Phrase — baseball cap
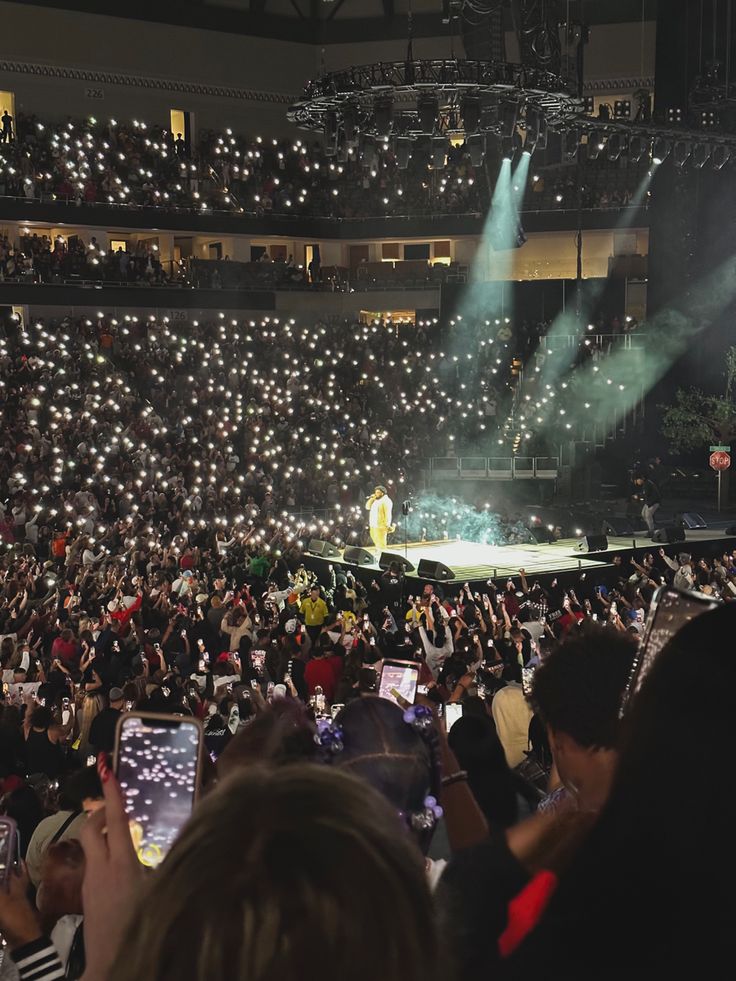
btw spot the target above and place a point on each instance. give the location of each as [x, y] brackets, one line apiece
[116, 694]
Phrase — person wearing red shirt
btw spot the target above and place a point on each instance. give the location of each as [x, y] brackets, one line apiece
[65, 648]
[323, 670]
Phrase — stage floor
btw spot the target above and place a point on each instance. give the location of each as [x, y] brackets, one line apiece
[470, 561]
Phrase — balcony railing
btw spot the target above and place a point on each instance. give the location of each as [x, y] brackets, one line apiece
[494, 467]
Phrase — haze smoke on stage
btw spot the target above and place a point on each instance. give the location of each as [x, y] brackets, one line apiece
[559, 352]
[437, 517]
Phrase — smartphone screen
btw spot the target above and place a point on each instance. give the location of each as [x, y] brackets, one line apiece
[401, 675]
[258, 660]
[9, 847]
[670, 610]
[453, 712]
[527, 675]
[157, 763]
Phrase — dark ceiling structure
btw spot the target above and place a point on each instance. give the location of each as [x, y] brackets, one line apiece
[333, 21]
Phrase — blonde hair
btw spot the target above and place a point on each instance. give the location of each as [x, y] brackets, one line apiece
[284, 874]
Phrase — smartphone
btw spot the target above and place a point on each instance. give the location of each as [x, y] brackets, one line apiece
[670, 610]
[201, 666]
[335, 708]
[258, 660]
[453, 712]
[91, 760]
[157, 761]
[401, 676]
[527, 675]
[9, 848]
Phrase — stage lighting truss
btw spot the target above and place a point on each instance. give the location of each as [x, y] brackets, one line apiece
[424, 106]
[657, 142]
[453, 99]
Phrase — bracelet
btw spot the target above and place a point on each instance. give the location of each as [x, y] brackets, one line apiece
[458, 777]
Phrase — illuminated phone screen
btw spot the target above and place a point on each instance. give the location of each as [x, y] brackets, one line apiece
[670, 610]
[401, 676]
[157, 761]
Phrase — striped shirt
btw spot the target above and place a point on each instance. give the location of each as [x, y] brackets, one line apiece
[38, 961]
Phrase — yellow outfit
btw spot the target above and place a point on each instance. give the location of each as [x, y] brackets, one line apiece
[315, 612]
[379, 521]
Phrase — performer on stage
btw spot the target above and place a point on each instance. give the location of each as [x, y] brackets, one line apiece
[381, 508]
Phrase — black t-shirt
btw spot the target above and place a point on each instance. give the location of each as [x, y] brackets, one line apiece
[216, 739]
[472, 900]
[391, 587]
[102, 730]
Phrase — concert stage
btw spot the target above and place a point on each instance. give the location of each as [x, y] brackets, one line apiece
[475, 563]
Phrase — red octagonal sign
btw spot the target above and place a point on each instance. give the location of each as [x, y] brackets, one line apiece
[720, 460]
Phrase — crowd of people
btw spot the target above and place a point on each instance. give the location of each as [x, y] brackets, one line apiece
[238, 420]
[151, 478]
[38, 259]
[132, 164]
[509, 768]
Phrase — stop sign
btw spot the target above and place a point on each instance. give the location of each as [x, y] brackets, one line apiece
[720, 460]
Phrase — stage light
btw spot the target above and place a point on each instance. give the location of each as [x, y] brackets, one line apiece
[708, 119]
[660, 150]
[439, 152]
[476, 145]
[615, 146]
[589, 105]
[509, 116]
[570, 143]
[507, 148]
[536, 131]
[622, 108]
[369, 153]
[470, 114]
[720, 156]
[596, 142]
[428, 113]
[682, 152]
[403, 152]
[674, 115]
[383, 115]
[422, 152]
[350, 124]
[637, 148]
[330, 133]
[701, 155]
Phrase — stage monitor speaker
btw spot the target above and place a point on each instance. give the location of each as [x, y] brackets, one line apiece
[325, 550]
[730, 531]
[434, 570]
[356, 555]
[593, 543]
[689, 519]
[388, 557]
[668, 534]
